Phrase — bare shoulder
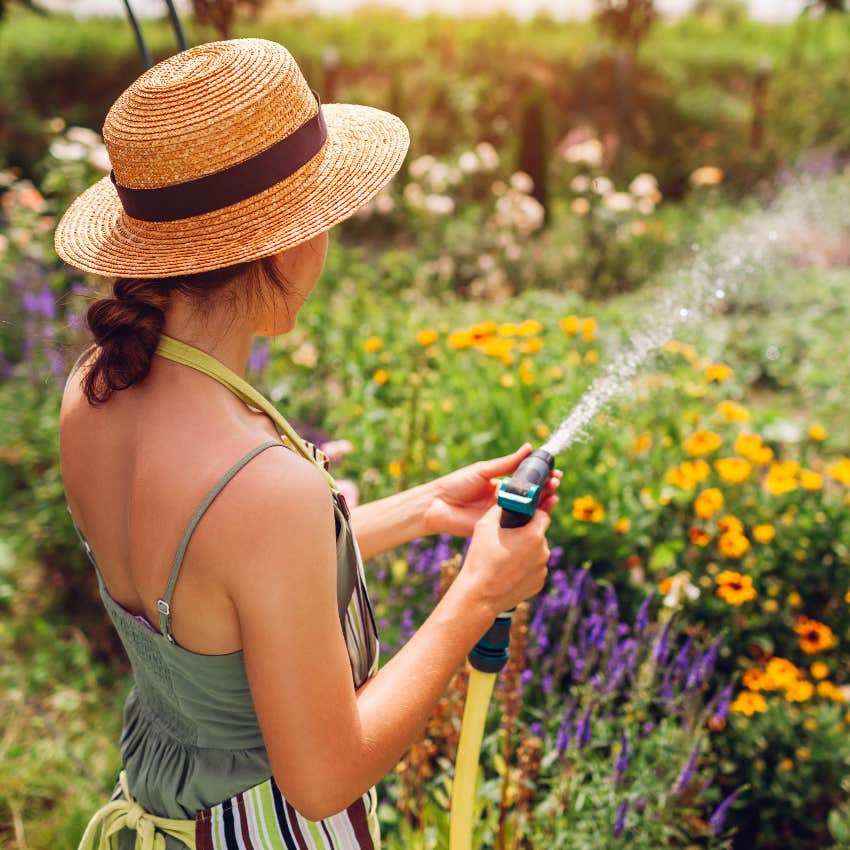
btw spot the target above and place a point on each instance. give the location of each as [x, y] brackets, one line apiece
[277, 510]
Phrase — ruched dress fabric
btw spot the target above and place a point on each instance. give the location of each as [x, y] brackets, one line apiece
[191, 741]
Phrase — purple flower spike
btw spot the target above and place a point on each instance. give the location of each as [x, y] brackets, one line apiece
[722, 705]
[555, 556]
[583, 729]
[717, 820]
[642, 619]
[259, 357]
[683, 658]
[662, 645]
[562, 740]
[620, 818]
[687, 774]
[621, 763]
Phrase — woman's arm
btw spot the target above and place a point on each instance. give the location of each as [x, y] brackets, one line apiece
[394, 520]
[327, 743]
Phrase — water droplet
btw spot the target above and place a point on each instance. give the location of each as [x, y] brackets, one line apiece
[684, 312]
[719, 294]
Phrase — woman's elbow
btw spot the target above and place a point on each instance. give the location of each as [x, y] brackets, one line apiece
[319, 798]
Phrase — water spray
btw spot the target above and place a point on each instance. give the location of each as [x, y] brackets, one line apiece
[518, 497]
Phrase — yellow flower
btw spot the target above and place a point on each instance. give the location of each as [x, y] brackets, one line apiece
[497, 348]
[460, 339]
[373, 344]
[754, 679]
[733, 412]
[591, 357]
[753, 449]
[532, 345]
[733, 470]
[840, 471]
[622, 526]
[781, 477]
[794, 599]
[748, 703]
[587, 509]
[426, 337]
[433, 465]
[702, 443]
[771, 606]
[780, 674]
[569, 325]
[555, 373]
[507, 380]
[689, 474]
[800, 691]
[786, 764]
[735, 588]
[810, 480]
[817, 432]
[541, 431]
[707, 175]
[529, 327]
[718, 372]
[814, 636]
[764, 533]
[708, 503]
[730, 525]
[588, 329]
[507, 329]
[828, 689]
[733, 545]
[819, 670]
[380, 376]
[396, 468]
[641, 444]
[526, 372]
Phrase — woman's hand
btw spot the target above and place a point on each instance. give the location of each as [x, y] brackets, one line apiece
[462, 497]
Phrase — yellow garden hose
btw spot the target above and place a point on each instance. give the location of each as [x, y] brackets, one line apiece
[518, 497]
[468, 753]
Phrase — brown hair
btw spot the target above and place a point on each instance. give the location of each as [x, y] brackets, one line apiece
[127, 325]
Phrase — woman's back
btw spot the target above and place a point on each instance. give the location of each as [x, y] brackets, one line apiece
[191, 738]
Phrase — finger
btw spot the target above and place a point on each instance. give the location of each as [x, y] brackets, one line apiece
[506, 464]
[548, 503]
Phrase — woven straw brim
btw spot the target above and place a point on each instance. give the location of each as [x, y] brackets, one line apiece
[365, 147]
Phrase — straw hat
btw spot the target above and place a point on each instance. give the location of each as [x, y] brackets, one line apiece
[223, 154]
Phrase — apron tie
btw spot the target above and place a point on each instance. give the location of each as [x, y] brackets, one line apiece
[127, 813]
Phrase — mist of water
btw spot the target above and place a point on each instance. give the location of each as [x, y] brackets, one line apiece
[717, 273]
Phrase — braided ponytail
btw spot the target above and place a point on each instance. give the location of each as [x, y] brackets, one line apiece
[127, 325]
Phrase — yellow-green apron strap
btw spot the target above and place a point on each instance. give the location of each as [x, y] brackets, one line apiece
[128, 814]
[188, 355]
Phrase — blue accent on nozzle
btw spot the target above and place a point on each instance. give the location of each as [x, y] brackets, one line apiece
[517, 502]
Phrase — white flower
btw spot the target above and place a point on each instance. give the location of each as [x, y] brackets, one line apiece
[602, 185]
[580, 184]
[522, 182]
[486, 262]
[414, 195]
[643, 185]
[646, 206]
[384, 202]
[83, 136]
[421, 166]
[588, 153]
[618, 201]
[439, 204]
[305, 355]
[488, 155]
[681, 588]
[99, 158]
[67, 150]
[468, 162]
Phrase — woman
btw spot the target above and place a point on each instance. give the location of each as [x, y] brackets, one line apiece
[258, 718]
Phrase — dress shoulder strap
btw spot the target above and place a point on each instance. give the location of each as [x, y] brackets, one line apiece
[164, 605]
[77, 363]
[189, 355]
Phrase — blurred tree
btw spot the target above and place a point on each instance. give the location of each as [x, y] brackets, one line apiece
[221, 14]
[626, 21]
[826, 5]
[729, 13]
[27, 4]
[533, 155]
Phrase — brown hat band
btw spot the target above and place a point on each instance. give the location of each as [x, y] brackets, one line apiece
[230, 185]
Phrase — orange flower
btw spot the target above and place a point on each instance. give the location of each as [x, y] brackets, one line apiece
[460, 339]
[781, 477]
[532, 345]
[622, 525]
[748, 703]
[426, 337]
[817, 432]
[529, 327]
[702, 443]
[764, 533]
[641, 444]
[587, 509]
[810, 480]
[814, 636]
[373, 344]
[753, 449]
[588, 329]
[819, 670]
[733, 545]
[735, 588]
[730, 525]
[380, 376]
[733, 470]
[840, 471]
[718, 372]
[733, 412]
[708, 503]
[690, 473]
[395, 468]
[754, 679]
[569, 325]
[800, 691]
[699, 536]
